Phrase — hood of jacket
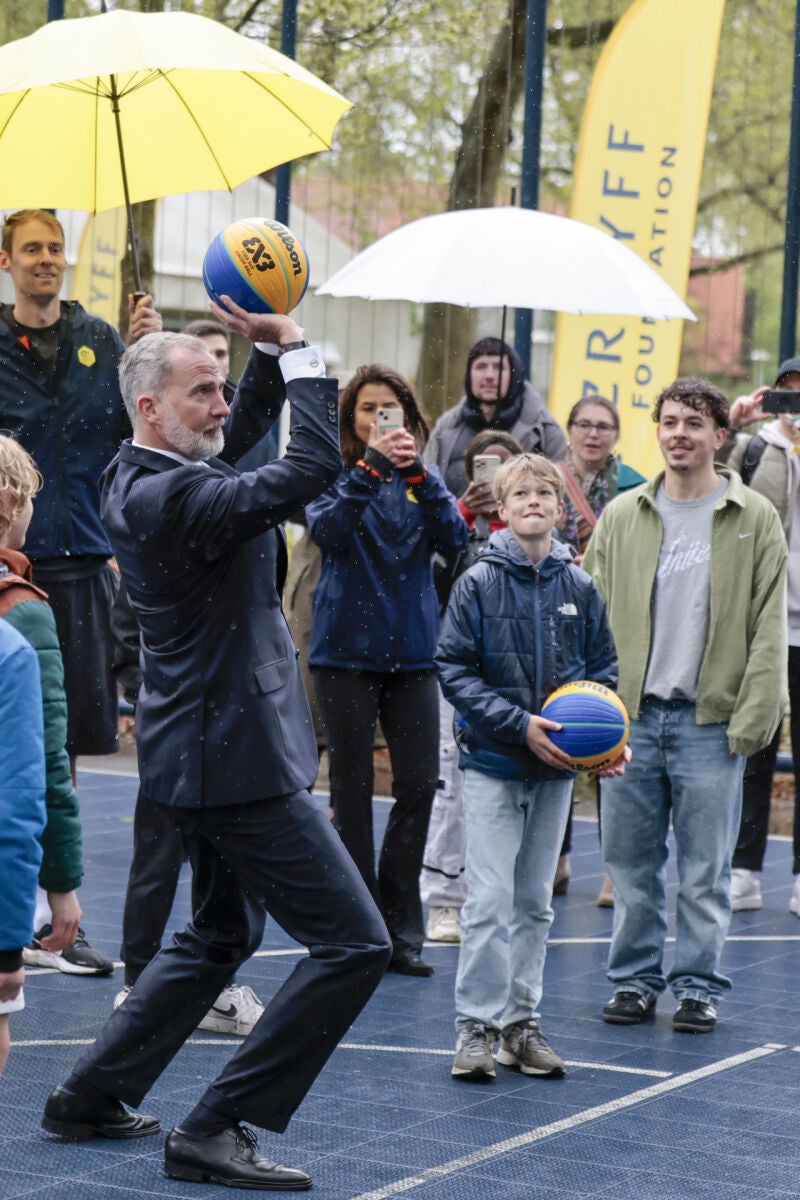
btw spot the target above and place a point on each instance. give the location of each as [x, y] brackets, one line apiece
[510, 406]
[504, 549]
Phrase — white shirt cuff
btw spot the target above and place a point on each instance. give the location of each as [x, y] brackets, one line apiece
[305, 363]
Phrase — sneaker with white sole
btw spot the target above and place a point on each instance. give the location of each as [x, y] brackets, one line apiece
[444, 925]
[794, 903]
[523, 1045]
[745, 890]
[235, 1010]
[122, 996]
[78, 959]
[473, 1060]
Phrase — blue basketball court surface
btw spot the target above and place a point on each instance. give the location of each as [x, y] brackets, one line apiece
[643, 1113]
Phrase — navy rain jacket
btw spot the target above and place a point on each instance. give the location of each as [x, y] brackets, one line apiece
[72, 429]
[513, 633]
[375, 607]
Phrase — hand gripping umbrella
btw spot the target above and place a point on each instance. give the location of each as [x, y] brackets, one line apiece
[122, 107]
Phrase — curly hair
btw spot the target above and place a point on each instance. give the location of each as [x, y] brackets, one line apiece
[415, 423]
[19, 481]
[699, 394]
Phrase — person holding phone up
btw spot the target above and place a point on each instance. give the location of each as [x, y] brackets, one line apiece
[374, 635]
[768, 462]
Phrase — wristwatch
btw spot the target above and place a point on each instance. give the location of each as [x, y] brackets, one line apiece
[287, 346]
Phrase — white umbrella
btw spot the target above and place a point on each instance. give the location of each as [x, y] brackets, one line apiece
[507, 257]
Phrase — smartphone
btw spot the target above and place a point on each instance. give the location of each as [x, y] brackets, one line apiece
[388, 419]
[485, 467]
[781, 400]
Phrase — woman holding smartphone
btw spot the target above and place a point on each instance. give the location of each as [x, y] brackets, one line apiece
[374, 635]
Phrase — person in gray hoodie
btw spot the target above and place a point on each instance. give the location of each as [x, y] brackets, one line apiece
[514, 406]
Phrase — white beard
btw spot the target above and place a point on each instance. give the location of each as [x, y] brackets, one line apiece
[199, 447]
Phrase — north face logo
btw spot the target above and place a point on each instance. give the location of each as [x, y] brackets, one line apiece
[568, 610]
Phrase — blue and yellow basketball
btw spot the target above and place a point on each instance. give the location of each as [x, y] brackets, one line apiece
[259, 263]
[595, 723]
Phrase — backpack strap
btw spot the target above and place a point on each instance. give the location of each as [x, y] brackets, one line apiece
[752, 457]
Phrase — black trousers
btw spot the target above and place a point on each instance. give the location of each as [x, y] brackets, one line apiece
[407, 703]
[82, 612]
[279, 856]
[159, 851]
[757, 786]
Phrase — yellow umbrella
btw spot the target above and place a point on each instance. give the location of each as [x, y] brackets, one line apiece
[121, 107]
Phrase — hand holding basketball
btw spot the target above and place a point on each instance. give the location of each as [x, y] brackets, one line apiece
[276, 328]
[594, 725]
[259, 264]
[538, 741]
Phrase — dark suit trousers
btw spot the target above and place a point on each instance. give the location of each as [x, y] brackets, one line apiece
[282, 857]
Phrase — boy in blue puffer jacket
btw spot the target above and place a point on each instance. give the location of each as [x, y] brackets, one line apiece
[520, 623]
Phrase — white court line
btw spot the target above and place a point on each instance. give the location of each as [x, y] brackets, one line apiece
[223, 1041]
[587, 941]
[258, 954]
[485, 1153]
[448, 1054]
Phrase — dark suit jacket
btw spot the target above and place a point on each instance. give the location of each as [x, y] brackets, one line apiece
[222, 715]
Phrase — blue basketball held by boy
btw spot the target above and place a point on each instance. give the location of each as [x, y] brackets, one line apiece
[259, 263]
[594, 723]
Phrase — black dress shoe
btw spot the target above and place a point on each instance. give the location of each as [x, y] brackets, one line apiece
[71, 1116]
[408, 962]
[230, 1158]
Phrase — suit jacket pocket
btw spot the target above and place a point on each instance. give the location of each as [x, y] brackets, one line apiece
[272, 675]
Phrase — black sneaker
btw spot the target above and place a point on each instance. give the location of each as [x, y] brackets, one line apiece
[628, 1007]
[78, 959]
[694, 1016]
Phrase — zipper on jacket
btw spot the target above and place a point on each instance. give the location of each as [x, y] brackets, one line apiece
[538, 653]
[59, 431]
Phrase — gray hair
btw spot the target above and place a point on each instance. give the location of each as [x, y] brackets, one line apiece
[146, 367]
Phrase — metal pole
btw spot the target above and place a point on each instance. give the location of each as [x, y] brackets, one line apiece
[791, 258]
[283, 175]
[535, 39]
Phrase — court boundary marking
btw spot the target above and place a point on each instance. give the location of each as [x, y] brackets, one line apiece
[541, 1132]
[613, 1068]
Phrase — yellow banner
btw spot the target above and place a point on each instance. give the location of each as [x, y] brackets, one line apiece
[96, 282]
[637, 176]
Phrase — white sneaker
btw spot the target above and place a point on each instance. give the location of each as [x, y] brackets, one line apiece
[444, 925]
[794, 903]
[122, 996]
[745, 890]
[236, 1010]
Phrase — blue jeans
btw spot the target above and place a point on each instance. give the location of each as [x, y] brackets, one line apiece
[514, 834]
[687, 769]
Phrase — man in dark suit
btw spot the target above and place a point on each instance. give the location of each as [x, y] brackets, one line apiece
[226, 743]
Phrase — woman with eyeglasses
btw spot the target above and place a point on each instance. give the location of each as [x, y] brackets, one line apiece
[593, 474]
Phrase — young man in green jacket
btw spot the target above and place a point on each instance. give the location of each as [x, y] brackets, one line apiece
[692, 567]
